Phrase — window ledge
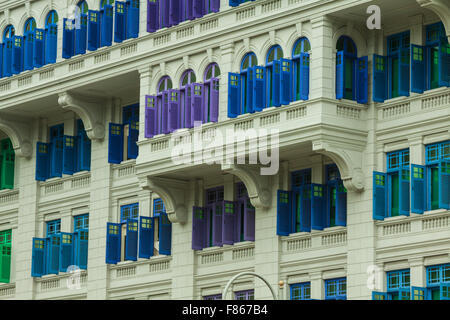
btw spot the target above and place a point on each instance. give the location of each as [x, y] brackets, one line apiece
[140, 261]
[437, 211]
[398, 218]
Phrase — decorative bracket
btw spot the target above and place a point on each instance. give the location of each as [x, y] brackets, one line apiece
[19, 133]
[258, 186]
[90, 112]
[173, 193]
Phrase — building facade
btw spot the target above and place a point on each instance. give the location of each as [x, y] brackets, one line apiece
[97, 97]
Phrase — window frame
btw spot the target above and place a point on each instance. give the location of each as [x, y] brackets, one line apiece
[304, 287]
[337, 282]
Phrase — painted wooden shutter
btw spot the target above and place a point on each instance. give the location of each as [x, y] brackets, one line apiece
[150, 116]
[276, 83]
[152, 15]
[115, 144]
[238, 205]
[228, 222]
[198, 228]
[42, 161]
[56, 160]
[418, 69]
[131, 242]
[444, 64]
[214, 96]
[380, 78]
[17, 58]
[249, 93]
[379, 195]
[53, 249]
[51, 41]
[187, 106]
[66, 254]
[215, 5]
[5, 262]
[341, 205]
[259, 88]
[106, 24]
[39, 48]
[174, 110]
[146, 237]
[7, 169]
[165, 235]
[93, 30]
[81, 35]
[164, 118]
[198, 8]
[444, 290]
[249, 221]
[113, 242]
[404, 294]
[164, 13]
[197, 103]
[68, 39]
[68, 155]
[235, 3]
[7, 57]
[28, 54]
[286, 81]
[38, 260]
[340, 70]
[132, 19]
[404, 61]
[174, 12]
[120, 22]
[133, 137]
[189, 9]
[317, 207]
[405, 176]
[418, 193]
[84, 150]
[444, 185]
[234, 95]
[304, 76]
[284, 199]
[82, 246]
[305, 214]
[362, 85]
[418, 293]
[379, 295]
[217, 224]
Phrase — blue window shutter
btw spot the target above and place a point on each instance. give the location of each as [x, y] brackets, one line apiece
[42, 161]
[1, 59]
[405, 176]
[81, 35]
[17, 58]
[249, 93]
[418, 293]
[259, 88]
[53, 248]
[317, 207]
[69, 155]
[38, 257]
[132, 19]
[234, 95]
[341, 205]
[444, 64]
[284, 200]
[7, 57]
[120, 22]
[404, 61]
[82, 246]
[444, 290]
[56, 160]
[106, 24]
[198, 228]
[286, 81]
[404, 294]
[115, 145]
[305, 206]
[152, 15]
[39, 48]
[235, 3]
[379, 295]
[340, 61]
[217, 223]
[444, 185]
[83, 150]
[28, 54]
[133, 136]
[380, 78]
[228, 222]
[66, 254]
[51, 40]
[113, 242]
[165, 235]
[146, 237]
[131, 241]
[304, 76]
[150, 116]
[362, 85]
[379, 195]
[174, 110]
[93, 30]
[418, 68]
[68, 39]
[276, 83]
[418, 192]
[174, 12]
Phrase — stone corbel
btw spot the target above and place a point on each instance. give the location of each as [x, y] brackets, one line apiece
[258, 186]
[348, 161]
[19, 133]
[90, 112]
[173, 193]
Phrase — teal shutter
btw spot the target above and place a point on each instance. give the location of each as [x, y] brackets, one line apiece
[259, 88]
[42, 161]
[418, 192]
[113, 242]
[234, 95]
[305, 214]
[106, 25]
[404, 61]
[82, 246]
[284, 200]
[418, 69]
[362, 85]
[146, 237]
[286, 81]
[53, 249]
[405, 176]
[39, 48]
[69, 155]
[83, 149]
[304, 76]
[318, 206]
[56, 157]
[131, 241]
[51, 39]
[340, 61]
[115, 144]
[38, 261]
[380, 78]
[418, 293]
[404, 294]
[66, 254]
[444, 64]
[444, 185]
[444, 290]
[379, 195]
[276, 83]
[165, 235]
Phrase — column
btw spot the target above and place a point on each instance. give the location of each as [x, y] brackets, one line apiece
[417, 272]
[317, 292]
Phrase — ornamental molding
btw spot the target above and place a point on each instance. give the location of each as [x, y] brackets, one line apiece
[19, 131]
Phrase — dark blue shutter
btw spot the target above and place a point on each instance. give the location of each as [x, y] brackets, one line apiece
[132, 19]
[418, 194]
[379, 195]
[146, 237]
[133, 136]
[444, 64]
[259, 88]
[286, 81]
[198, 228]
[53, 248]
[228, 222]
[404, 61]
[341, 205]
[115, 144]
[38, 257]
[81, 35]
[249, 93]
[82, 246]
[174, 12]
[17, 58]
[131, 241]
[39, 48]
[113, 242]
[235, 3]
[340, 68]
[56, 159]
[93, 30]
[418, 293]
[305, 213]
[444, 185]
[418, 68]
[120, 22]
[165, 235]
[66, 251]
[28, 54]
[284, 199]
[150, 116]
[68, 39]
[7, 57]
[304, 76]
[362, 85]
[217, 223]
[405, 176]
[42, 161]
[380, 78]
[69, 155]
[51, 41]
[317, 207]
[152, 15]
[276, 83]
[234, 95]
[106, 25]
[84, 150]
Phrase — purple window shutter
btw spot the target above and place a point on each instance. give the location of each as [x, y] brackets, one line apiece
[189, 9]
[150, 116]
[152, 15]
[197, 102]
[237, 220]
[198, 228]
[249, 221]
[188, 106]
[198, 8]
[214, 93]
[228, 222]
[174, 12]
[215, 5]
[165, 112]
[165, 13]
[217, 223]
[174, 106]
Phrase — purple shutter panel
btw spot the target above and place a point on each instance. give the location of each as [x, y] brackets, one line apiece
[188, 106]
[174, 106]
[228, 222]
[249, 221]
[174, 12]
[164, 9]
[238, 208]
[198, 8]
[217, 223]
[198, 228]
[190, 9]
[197, 103]
[214, 93]
[165, 112]
[215, 5]
[152, 15]
[150, 116]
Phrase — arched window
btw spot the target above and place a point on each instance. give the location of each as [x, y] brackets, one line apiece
[7, 157]
[186, 102]
[106, 13]
[51, 36]
[162, 119]
[301, 63]
[247, 69]
[438, 56]
[211, 90]
[29, 34]
[9, 32]
[273, 72]
[8, 43]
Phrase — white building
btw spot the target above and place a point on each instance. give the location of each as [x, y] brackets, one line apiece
[339, 242]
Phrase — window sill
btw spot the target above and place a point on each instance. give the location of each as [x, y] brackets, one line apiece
[226, 247]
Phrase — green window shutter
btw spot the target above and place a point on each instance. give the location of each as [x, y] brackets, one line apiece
[5, 262]
[7, 170]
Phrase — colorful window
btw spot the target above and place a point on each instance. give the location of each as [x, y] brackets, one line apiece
[301, 291]
[336, 289]
[301, 69]
[7, 164]
[81, 222]
[398, 285]
[5, 256]
[244, 295]
[213, 297]
[438, 282]
[130, 211]
[53, 227]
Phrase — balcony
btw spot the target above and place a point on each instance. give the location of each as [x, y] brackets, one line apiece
[9, 199]
[73, 186]
[59, 286]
